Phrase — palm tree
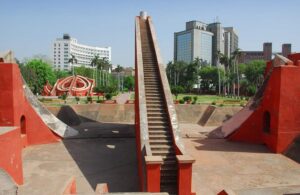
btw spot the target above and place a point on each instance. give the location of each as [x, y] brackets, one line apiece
[73, 61]
[118, 70]
[226, 62]
[198, 62]
[169, 69]
[106, 66]
[94, 63]
[219, 54]
[235, 55]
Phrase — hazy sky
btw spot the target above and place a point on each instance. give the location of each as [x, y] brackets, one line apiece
[29, 27]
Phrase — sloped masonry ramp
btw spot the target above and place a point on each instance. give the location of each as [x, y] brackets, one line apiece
[56, 125]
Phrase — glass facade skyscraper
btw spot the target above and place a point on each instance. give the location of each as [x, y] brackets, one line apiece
[193, 43]
[204, 41]
[184, 47]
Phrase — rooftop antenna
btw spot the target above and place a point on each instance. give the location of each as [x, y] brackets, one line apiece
[217, 19]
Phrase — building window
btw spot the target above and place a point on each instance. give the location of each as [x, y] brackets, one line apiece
[267, 122]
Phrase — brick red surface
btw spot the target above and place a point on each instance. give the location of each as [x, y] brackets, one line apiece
[13, 107]
[281, 99]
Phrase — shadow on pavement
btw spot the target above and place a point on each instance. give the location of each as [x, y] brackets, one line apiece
[106, 153]
[224, 145]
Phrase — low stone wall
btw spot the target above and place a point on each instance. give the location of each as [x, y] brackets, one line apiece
[124, 113]
[190, 113]
[222, 114]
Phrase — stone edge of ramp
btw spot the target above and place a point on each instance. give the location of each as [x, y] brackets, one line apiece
[53, 123]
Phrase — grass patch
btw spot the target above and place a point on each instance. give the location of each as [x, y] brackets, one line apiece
[213, 99]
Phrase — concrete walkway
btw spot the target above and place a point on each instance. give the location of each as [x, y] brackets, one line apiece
[243, 168]
[123, 97]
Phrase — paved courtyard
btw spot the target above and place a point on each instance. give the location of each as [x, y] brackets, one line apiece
[105, 153]
[244, 168]
[91, 160]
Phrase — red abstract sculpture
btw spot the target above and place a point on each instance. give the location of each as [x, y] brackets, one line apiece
[73, 85]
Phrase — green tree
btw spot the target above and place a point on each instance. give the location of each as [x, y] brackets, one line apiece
[176, 90]
[210, 78]
[129, 83]
[94, 63]
[37, 73]
[119, 69]
[83, 71]
[61, 74]
[254, 72]
[235, 56]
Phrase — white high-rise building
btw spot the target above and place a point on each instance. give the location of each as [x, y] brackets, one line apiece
[64, 47]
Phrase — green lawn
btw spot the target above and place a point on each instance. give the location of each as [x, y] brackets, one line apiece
[208, 99]
[70, 101]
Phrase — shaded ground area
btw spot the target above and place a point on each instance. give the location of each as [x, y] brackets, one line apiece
[92, 159]
[244, 168]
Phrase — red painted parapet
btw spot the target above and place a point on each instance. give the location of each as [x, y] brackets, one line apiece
[11, 152]
[16, 111]
[153, 164]
[274, 121]
[185, 163]
[72, 85]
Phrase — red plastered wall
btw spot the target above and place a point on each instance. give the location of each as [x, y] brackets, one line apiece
[282, 100]
[14, 106]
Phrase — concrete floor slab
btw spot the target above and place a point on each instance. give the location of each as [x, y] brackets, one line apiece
[229, 165]
[90, 160]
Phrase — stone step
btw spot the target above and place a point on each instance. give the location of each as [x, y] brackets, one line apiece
[157, 123]
[154, 98]
[160, 136]
[158, 132]
[152, 94]
[168, 168]
[163, 153]
[155, 118]
[159, 127]
[167, 141]
[157, 114]
[153, 88]
[161, 148]
[168, 181]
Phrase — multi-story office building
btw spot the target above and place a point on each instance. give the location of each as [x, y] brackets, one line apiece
[266, 54]
[231, 41]
[64, 47]
[267, 51]
[286, 49]
[194, 42]
[204, 41]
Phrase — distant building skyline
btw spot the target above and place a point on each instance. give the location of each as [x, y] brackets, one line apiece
[266, 54]
[204, 41]
[66, 46]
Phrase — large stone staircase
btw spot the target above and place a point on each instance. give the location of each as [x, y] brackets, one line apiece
[160, 137]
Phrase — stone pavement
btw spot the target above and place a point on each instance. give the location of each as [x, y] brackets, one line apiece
[91, 160]
[244, 168]
[123, 97]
